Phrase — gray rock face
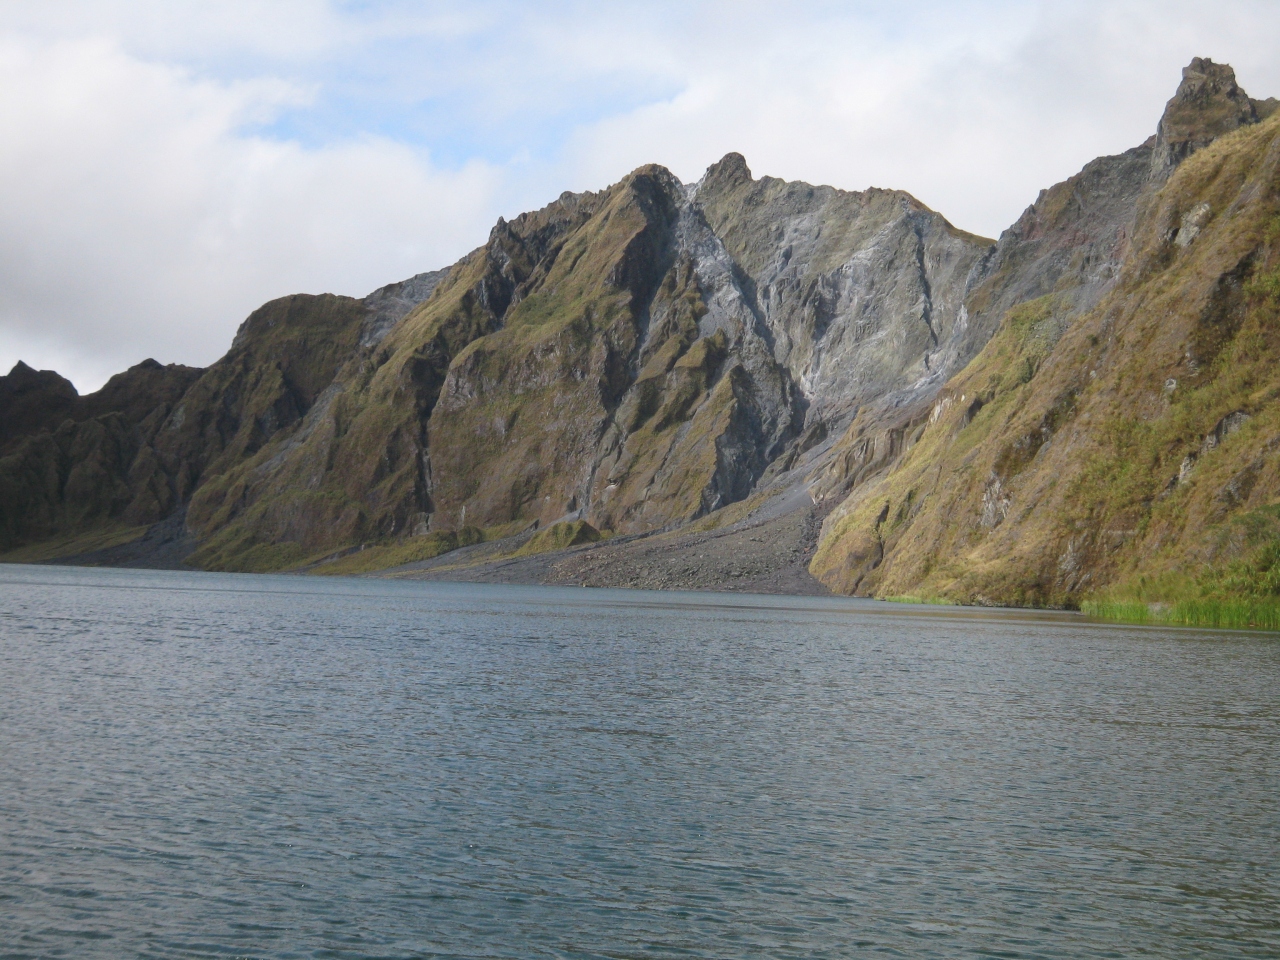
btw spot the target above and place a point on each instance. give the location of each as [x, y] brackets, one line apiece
[857, 294]
[762, 315]
[1068, 246]
[388, 305]
[1208, 104]
[826, 300]
[1071, 239]
[1065, 253]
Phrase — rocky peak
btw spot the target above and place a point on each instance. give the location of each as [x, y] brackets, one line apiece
[31, 397]
[31, 400]
[24, 378]
[731, 171]
[1208, 104]
[139, 390]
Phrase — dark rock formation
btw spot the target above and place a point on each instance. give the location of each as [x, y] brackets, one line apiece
[69, 463]
[1208, 104]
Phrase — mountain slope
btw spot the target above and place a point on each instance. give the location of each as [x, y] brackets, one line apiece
[132, 454]
[705, 371]
[603, 359]
[1071, 242]
[1068, 248]
[73, 466]
[1128, 450]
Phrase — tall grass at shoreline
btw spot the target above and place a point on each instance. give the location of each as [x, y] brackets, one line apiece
[1226, 614]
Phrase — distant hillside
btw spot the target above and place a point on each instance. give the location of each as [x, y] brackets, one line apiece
[635, 358]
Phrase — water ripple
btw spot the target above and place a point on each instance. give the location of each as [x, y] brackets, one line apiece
[215, 766]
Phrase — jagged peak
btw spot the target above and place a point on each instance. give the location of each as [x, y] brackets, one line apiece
[1203, 79]
[729, 172]
[26, 380]
[22, 375]
[650, 170]
[1207, 104]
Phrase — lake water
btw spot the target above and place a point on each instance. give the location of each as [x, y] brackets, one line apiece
[204, 765]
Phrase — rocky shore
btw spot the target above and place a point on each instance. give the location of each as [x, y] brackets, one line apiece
[761, 554]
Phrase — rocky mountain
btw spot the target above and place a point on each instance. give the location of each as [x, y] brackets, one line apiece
[703, 372]
[70, 465]
[85, 472]
[635, 358]
[1117, 435]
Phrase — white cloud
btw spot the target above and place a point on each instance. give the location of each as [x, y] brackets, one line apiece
[138, 220]
[140, 214]
[973, 107]
[163, 28]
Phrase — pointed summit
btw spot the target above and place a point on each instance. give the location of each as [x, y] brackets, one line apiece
[25, 378]
[1209, 103]
[731, 171]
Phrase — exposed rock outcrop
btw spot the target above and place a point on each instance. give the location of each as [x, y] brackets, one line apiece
[1208, 104]
[635, 358]
[1114, 430]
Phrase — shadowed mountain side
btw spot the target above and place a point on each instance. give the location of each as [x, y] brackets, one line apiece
[82, 474]
[82, 471]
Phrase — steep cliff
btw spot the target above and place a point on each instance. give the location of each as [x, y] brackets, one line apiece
[72, 466]
[1117, 435]
[635, 358]
[86, 471]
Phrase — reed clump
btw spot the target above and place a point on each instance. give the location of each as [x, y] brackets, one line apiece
[1219, 613]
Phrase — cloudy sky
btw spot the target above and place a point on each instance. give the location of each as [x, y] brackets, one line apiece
[167, 166]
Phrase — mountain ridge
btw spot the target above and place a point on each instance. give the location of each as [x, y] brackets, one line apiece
[655, 359]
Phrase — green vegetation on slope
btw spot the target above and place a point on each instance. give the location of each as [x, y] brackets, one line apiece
[1130, 457]
[560, 536]
[70, 544]
[411, 550]
[357, 470]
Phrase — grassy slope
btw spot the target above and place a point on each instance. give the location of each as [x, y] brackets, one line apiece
[1050, 471]
[1062, 244]
[99, 537]
[353, 473]
[521, 413]
[515, 401]
[334, 481]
